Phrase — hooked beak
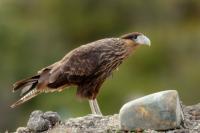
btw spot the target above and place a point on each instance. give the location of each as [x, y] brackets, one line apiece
[143, 40]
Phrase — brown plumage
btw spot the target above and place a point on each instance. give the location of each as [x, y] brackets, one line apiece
[86, 67]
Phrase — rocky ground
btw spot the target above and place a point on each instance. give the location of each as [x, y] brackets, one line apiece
[108, 124]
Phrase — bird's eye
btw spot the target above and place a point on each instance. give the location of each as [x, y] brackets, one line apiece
[135, 36]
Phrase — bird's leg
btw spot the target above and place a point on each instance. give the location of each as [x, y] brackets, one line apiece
[95, 107]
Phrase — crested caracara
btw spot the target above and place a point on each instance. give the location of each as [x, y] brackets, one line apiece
[86, 67]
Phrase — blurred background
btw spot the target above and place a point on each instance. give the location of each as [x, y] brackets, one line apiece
[36, 33]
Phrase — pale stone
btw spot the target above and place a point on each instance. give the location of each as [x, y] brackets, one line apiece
[158, 111]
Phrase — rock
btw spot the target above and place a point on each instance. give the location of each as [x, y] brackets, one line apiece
[192, 118]
[52, 117]
[40, 121]
[111, 124]
[88, 124]
[158, 111]
[37, 122]
[22, 130]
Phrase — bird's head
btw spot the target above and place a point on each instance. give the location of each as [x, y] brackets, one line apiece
[136, 38]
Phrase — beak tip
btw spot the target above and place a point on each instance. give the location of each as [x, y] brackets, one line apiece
[143, 40]
[149, 44]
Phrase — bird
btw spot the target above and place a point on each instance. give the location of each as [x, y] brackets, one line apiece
[86, 67]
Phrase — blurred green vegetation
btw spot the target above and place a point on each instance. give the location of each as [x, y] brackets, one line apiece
[36, 33]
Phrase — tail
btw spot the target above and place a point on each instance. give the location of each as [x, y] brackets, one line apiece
[28, 89]
[27, 97]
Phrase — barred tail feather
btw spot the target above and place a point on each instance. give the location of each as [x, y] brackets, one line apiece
[25, 82]
[28, 89]
[26, 97]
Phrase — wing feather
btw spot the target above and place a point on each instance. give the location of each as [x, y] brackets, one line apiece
[78, 63]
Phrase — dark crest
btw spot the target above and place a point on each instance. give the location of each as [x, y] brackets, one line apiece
[132, 35]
